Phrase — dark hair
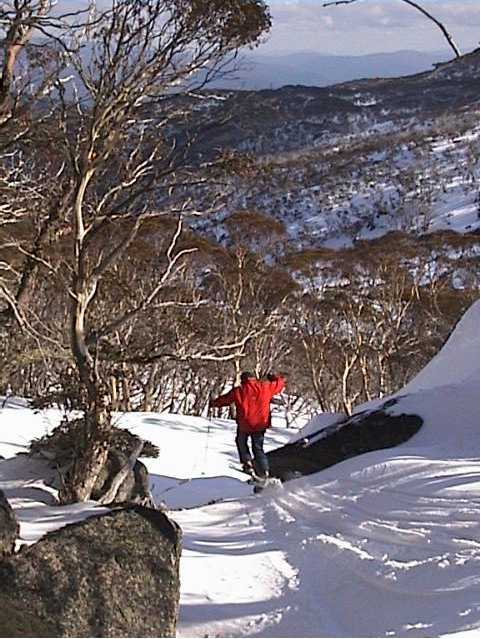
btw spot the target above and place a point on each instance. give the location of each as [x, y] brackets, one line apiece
[245, 375]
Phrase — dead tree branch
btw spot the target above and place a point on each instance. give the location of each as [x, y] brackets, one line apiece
[428, 15]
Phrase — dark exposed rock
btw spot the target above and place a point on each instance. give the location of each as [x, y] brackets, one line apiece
[360, 433]
[8, 526]
[141, 490]
[115, 575]
[17, 620]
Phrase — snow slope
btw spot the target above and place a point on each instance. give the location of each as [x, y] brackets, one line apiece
[385, 544]
[416, 183]
[382, 545]
[458, 360]
[197, 464]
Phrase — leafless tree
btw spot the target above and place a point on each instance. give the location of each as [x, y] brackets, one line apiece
[34, 37]
[114, 106]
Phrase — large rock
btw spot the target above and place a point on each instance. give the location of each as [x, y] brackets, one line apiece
[360, 433]
[17, 620]
[8, 526]
[115, 575]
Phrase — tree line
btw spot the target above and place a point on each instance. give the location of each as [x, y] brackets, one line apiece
[345, 326]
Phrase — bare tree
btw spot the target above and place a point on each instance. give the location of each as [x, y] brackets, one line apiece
[141, 53]
[34, 38]
[115, 106]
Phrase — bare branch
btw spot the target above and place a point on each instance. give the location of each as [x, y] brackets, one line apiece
[172, 260]
[417, 6]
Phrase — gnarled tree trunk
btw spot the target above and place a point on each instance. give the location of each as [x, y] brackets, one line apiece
[92, 450]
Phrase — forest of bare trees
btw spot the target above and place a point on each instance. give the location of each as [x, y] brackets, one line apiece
[88, 105]
[344, 326]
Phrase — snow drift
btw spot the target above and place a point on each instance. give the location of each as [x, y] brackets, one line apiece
[446, 394]
[457, 362]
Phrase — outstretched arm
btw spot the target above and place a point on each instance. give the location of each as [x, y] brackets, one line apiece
[222, 400]
[276, 383]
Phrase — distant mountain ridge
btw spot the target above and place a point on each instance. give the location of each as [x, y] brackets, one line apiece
[267, 71]
[297, 116]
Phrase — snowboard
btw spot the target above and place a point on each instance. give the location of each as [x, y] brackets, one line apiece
[259, 483]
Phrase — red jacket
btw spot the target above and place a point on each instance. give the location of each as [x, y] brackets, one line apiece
[252, 400]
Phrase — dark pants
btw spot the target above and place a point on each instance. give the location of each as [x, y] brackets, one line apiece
[261, 465]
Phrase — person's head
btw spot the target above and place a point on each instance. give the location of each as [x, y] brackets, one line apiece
[246, 375]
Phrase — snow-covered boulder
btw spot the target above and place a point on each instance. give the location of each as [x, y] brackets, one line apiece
[113, 575]
[444, 395]
[8, 526]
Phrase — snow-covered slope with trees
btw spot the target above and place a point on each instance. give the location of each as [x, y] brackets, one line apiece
[385, 544]
[411, 176]
[360, 159]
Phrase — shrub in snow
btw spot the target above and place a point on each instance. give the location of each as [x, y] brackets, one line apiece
[61, 449]
[59, 446]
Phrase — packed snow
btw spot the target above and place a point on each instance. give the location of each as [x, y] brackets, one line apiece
[382, 545]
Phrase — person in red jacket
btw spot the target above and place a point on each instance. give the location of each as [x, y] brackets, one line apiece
[253, 416]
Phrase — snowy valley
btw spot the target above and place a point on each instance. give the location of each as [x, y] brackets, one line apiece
[358, 160]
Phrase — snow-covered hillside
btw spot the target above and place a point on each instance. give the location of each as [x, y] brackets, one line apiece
[359, 186]
[384, 544]
[357, 160]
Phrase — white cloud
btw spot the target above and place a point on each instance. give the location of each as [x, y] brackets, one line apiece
[364, 25]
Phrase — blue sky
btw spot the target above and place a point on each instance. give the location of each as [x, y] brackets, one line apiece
[369, 26]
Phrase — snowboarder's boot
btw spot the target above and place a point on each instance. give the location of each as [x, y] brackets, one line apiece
[265, 482]
[260, 483]
[248, 468]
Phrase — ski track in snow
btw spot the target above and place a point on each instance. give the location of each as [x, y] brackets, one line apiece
[385, 544]
[351, 548]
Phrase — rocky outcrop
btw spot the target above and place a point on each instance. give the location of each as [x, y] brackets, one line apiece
[115, 575]
[360, 433]
[8, 526]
